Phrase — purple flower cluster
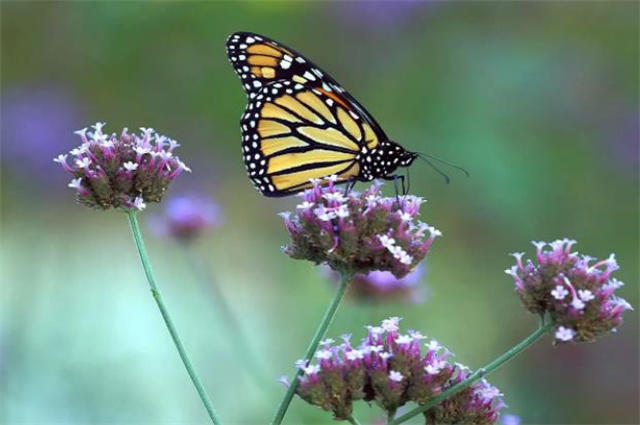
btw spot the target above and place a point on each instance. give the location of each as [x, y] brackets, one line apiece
[478, 404]
[359, 232]
[187, 217]
[125, 171]
[387, 367]
[579, 296]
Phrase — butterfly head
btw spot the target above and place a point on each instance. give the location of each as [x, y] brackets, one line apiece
[397, 155]
[407, 158]
[384, 160]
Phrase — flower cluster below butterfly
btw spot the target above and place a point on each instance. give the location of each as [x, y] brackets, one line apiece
[300, 124]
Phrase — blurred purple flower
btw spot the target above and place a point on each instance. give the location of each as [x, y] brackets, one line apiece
[510, 419]
[187, 217]
[36, 123]
[376, 14]
[626, 140]
[383, 285]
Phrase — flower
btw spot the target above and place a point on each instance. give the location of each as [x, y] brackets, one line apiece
[510, 419]
[186, 217]
[560, 292]
[359, 232]
[378, 286]
[480, 404]
[35, 122]
[380, 16]
[390, 369]
[565, 334]
[139, 203]
[577, 291]
[125, 171]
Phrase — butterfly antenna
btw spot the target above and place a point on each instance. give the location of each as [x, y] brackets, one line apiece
[439, 171]
[435, 158]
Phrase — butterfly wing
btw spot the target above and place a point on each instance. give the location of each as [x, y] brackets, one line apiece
[299, 123]
[259, 61]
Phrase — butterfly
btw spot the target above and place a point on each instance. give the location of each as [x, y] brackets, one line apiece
[300, 124]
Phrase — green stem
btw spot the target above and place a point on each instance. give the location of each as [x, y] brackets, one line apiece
[320, 332]
[253, 364]
[390, 415]
[148, 270]
[353, 421]
[480, 373]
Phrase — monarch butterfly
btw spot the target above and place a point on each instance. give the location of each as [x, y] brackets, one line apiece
[300, 124]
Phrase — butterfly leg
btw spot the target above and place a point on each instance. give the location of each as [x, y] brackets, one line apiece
[395, 185]
[349, 186]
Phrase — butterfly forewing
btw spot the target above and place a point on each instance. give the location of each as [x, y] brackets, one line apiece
[260, 61]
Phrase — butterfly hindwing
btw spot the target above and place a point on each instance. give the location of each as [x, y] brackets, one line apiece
[293, 133]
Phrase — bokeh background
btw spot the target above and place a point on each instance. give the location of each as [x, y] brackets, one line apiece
[538, 100]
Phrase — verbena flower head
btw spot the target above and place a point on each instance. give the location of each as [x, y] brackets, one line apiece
[126, 171]
[384, 286]
[187, 217]
[478, 404]
[360, 232]
[576, 290]
[387, 367]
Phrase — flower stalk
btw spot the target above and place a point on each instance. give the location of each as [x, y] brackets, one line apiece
[255, 368]
[353, 421]
[543, 328]
[346, 276]
[148, 270]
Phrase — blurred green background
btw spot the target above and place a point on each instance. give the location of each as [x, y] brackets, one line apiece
[538, 100]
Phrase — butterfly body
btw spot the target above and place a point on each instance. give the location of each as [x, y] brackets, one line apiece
[300, 124]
